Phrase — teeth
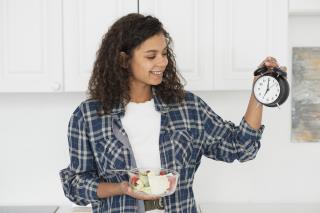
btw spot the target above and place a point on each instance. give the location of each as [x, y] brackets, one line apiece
[156, 72]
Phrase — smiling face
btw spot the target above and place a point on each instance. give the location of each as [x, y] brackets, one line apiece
[148, 62]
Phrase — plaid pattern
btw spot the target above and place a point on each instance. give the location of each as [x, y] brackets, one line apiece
[188, 131]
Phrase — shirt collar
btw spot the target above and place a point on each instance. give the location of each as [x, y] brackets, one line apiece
[160, 105]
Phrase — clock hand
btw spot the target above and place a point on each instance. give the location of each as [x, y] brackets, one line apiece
[267, 88]
[266, 92]
[272, 85]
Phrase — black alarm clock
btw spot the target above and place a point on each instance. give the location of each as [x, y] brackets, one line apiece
[271, 88]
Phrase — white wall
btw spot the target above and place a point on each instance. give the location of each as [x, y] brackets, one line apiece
[33, 148]
[283, 171]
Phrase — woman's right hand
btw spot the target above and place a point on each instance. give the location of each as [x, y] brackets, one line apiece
[127, 190]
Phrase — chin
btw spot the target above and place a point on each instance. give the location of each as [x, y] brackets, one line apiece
[155, 83]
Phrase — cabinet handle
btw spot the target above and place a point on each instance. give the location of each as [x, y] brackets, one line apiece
[56, 86]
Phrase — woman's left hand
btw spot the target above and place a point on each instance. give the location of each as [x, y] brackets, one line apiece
[270, 63]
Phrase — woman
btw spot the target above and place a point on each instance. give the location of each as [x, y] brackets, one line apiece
[138, 115]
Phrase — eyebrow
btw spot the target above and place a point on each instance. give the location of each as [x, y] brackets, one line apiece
[153, 51]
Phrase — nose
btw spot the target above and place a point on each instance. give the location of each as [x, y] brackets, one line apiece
[163, 61]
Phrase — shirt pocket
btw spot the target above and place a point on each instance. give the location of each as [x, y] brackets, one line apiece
[109, 155]
[182, 147]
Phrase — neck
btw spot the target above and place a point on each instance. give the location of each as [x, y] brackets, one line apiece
[140, 93]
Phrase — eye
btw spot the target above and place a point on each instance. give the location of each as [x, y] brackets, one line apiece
[151, 57]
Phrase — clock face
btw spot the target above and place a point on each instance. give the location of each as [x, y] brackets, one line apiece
[266, 89]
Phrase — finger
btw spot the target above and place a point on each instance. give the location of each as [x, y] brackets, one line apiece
[140, 196]
[283, 68]
[129, 190]
[125, 187]
[144, 197]
[261, 64]
[271, 64]
[272, 60]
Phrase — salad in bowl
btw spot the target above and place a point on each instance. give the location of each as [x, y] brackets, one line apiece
[156, 182]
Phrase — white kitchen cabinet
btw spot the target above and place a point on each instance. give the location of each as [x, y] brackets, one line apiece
[85, 22]
[219, 43]
[190, 24]
[30, 46]
[191, 30]
[305, 7]
[48, 46]
[246, 32]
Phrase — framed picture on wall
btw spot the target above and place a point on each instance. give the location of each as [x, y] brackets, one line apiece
[305, 94]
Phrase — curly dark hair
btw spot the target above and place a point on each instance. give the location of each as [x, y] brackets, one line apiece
[109, 82]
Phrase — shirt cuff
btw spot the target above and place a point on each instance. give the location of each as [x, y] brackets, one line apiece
[89, 190]
[247, 132]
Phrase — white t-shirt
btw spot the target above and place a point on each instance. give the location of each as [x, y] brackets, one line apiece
[142, 124]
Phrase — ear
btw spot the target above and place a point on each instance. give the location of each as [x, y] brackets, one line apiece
[124, 60]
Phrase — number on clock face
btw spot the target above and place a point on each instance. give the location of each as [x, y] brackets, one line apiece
[266, 89]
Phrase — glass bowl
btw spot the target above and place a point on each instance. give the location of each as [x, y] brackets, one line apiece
[155, 182]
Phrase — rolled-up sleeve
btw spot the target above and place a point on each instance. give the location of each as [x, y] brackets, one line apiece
[224, 141]
[80, 179]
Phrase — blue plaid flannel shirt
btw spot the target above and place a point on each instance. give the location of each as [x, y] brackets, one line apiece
[188, 132]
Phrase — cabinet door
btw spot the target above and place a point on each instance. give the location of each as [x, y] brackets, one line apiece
[85, 22]
[30, 46]
[190, 24]
[305, 7]
[246, 32]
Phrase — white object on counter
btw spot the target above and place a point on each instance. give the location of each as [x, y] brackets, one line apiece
[260, 208]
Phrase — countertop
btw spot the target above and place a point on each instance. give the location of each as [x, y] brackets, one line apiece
[203, 208]
[260, 208]
[236, 207]
[29, 209]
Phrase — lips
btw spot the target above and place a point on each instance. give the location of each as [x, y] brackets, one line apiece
[157, 72]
